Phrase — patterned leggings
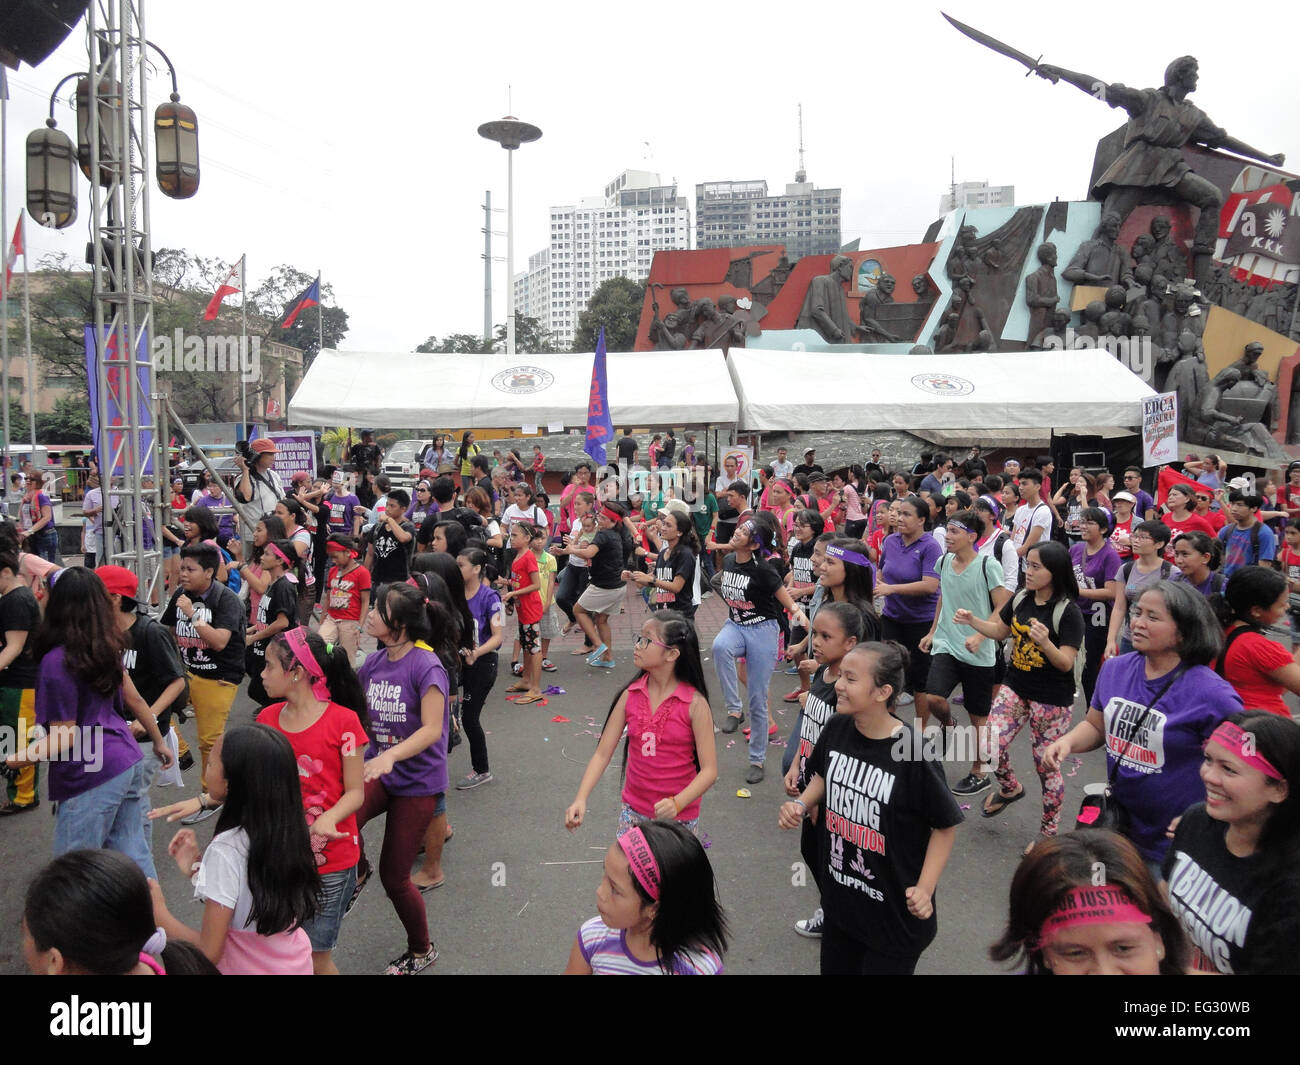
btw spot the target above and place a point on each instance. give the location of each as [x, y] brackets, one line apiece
[1046, 724]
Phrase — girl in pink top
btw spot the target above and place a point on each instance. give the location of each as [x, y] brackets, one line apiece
[670, 757]
[257, 878]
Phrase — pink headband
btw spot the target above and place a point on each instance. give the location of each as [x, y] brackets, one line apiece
[297, 640]
[1234, 738]
[1092, 905]
[279, 554]
[641, 861]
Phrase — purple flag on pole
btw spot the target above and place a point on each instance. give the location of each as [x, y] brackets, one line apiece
[600, 427]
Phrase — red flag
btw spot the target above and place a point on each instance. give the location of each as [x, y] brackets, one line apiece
[223, 290]
[15, 249]
[1167, 478]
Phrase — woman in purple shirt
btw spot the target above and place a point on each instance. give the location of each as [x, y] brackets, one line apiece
[911, 590]
[407, 688]
[81, 698]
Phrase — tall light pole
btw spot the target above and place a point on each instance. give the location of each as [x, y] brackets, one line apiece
[510, 133]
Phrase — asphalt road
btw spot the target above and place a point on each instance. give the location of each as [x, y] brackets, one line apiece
[519, 885]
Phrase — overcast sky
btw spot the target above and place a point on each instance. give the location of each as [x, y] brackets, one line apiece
[333, 139]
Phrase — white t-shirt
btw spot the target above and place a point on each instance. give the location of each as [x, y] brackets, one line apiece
[576, 530]
[940, 535]
[1010, 563]
[535, 514]
[783, 470]
[1026, 520]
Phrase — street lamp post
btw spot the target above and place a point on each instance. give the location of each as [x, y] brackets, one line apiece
[510, 133]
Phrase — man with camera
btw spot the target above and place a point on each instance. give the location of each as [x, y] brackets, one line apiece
[258, 482]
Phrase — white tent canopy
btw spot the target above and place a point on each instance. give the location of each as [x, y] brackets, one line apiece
[407, 390]
[799, 391]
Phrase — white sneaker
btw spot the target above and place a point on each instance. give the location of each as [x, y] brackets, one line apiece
[906, 699]
[812, 927]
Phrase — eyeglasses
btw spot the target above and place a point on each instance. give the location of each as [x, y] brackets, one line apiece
[645, 641]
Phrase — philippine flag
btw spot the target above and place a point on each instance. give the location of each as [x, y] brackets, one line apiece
[309, 298]
[226, 288]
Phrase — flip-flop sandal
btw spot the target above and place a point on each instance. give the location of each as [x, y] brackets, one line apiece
[517, 688]
[1001, 801]
[584, 651]
[425, 888]
[525, 700]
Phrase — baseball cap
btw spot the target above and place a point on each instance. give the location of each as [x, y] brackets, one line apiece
[119, 581]
[263, 446]
[1239, 484]
[1129, 496]
[301, 477]
[810, 451]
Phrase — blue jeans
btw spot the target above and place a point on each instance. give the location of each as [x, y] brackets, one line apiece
[109, 816]
[146, 769]
[757, 645]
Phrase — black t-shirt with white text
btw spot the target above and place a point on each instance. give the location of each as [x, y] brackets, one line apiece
[749, 589]
[668, 567]
[818, 710]
[392, 556]
[19, 612]
[1242, 915]
[882, 802]
[280, 599]
[1029, 674]
[222, 609]
[801, 562]
[607, 564]
[152, 662]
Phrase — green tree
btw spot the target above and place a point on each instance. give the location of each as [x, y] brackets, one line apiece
[616, 305]
[272, 299]
[455, 344]
[530, 337]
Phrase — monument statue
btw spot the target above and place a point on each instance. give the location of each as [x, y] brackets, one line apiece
[1166, 256]
[1040, 291]
[824, 308]
[1244, 380]
[714, 329]
[868, 329]
[1099, 261]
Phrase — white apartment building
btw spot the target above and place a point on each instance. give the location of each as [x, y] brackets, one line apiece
[533, 289]
[977, 194]
[600, 237]
[735, 214]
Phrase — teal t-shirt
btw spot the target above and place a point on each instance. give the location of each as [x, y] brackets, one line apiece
[972, 590]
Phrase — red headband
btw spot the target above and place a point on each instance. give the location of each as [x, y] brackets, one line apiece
[641, 860]
[297, 640]
[1232, 737]
[611, 514]
[279, 554]
[1108, 904]
[340, 547]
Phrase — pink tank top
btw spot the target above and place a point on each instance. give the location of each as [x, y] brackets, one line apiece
[661, 749]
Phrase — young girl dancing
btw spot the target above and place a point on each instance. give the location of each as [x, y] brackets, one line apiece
[887, 826]
[670, 757]
[659, 909]
[257, 878]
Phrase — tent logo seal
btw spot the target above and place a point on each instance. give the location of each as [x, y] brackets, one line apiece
[523, 380]
[943, 384]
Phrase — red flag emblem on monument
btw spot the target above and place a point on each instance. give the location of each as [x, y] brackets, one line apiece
[1267, 224]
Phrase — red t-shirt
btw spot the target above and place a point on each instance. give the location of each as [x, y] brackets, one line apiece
[1215, 518]
[528, 606]
[1290, 564]
[319, 751]
[345, 593]
[1192, 523]
[1249, 661]
[1125, 527]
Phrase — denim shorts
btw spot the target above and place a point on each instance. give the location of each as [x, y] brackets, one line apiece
[335, 893]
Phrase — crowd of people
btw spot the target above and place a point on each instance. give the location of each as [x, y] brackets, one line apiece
[889, 598]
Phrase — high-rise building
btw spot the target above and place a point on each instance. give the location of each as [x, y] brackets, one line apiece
[977, 194]
[600, 237]
[732, 214]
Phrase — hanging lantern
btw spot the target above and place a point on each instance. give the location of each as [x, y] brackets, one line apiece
[110, 155]
[51, 177]
[176, 146]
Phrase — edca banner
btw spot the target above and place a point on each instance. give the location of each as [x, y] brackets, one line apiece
[1160, 429]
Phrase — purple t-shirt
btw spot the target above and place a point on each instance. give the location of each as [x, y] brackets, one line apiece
[341, 508]
[1143, 504]
[1159, 772]
[103, 747]
[225, 522]
[907, 564]
[1093, 571]
[393, 694]
[482, 606]
[29, 512]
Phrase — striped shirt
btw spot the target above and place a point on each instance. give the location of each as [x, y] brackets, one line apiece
[605, 950]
